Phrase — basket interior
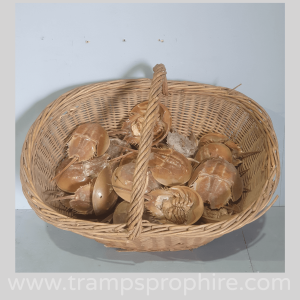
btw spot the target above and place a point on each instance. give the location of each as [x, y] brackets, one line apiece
[191, 111]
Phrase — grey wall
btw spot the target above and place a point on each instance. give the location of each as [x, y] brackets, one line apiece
[220, 44]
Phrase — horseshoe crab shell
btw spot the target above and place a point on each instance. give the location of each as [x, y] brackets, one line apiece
[217, 215]
[169, 167]
[122, 180]
[237, 153]
[96, 197]
[79, 174]
[211, 143]
[104, 196]
[80, 202]
[133, 125]
[121, 213]
[213, 137]
[73, 178]
[87, 141]
[177, 205]
[217, 181]
[130, 158]
[214, 150]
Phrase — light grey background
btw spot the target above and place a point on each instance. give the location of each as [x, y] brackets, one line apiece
[220, 44]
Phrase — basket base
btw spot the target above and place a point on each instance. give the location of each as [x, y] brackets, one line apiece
[157, 244]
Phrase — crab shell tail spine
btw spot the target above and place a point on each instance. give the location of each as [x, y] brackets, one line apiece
[63, 198]
[247, 154]
[66, 167]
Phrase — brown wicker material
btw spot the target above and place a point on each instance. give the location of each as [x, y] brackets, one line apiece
[196, 107]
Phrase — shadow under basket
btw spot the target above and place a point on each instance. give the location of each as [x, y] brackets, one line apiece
[200, 108]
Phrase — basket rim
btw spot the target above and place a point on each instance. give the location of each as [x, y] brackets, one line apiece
[101, 230]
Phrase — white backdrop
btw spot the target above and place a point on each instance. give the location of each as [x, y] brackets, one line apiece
[219, 44]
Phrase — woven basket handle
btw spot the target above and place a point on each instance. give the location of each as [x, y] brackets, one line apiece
[158, 86]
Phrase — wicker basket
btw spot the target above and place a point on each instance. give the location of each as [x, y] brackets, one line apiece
[196, 107]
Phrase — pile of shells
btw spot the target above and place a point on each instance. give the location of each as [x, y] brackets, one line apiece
[188, 180]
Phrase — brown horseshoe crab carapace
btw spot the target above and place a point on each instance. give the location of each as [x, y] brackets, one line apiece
[214, 150]
[104, 196]
[122, 180]
[79, 174]
[87, 141]
[82, 173]
[169, 167]
[96, 197]
[217, 215]
[176, 205]
[121, 213]
[208, 151]
[217, 181]
[81, 201]
[132, 127]
[72, 178]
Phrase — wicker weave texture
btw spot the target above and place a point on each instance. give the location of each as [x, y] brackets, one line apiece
[196, 107]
